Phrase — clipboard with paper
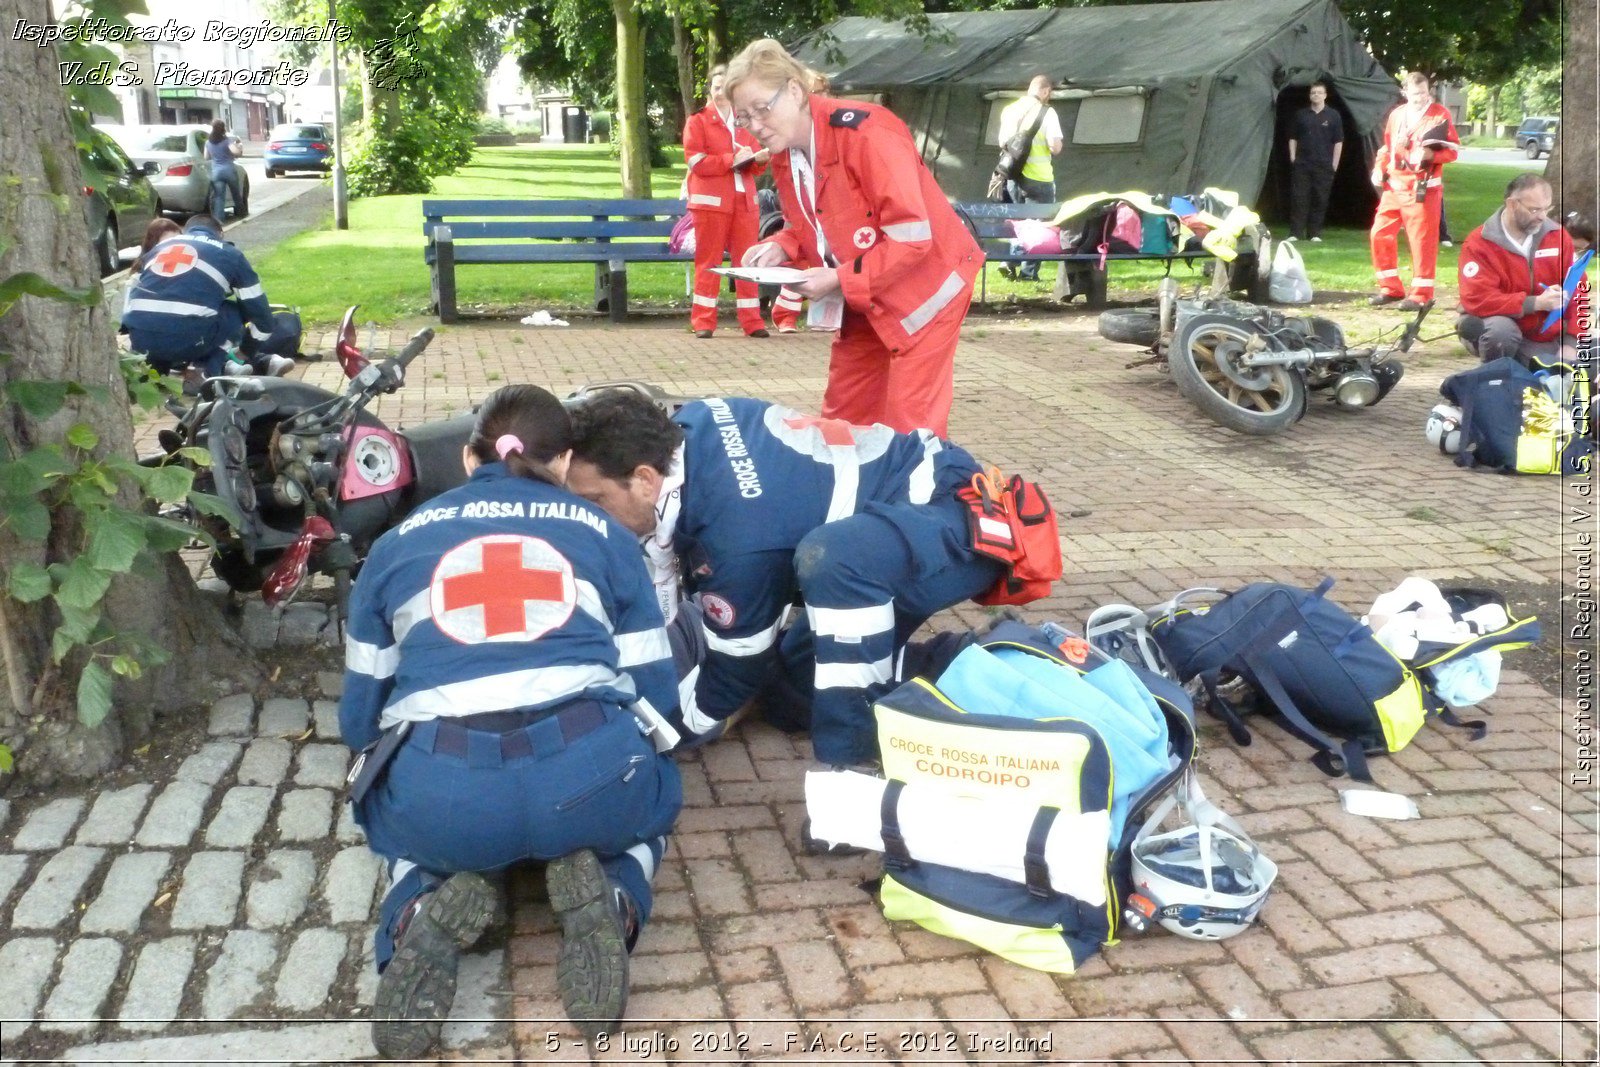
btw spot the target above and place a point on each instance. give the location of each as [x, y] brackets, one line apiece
[1569, 286]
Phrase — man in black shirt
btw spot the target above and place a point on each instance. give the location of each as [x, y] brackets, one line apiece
[1315, 142]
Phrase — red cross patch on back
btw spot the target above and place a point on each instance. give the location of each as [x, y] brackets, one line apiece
[174, 260]
[503, 587]
[848, 117]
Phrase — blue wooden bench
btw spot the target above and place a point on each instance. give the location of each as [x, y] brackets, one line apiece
[1082, 274]
[608, 233]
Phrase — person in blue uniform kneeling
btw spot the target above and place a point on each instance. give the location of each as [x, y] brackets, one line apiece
[506, 672]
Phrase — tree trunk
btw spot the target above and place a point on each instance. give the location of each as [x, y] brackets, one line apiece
[1493, 129]
[631, 117]
[43, 219]
[683, 51]
[717, 50]
[1572, 164]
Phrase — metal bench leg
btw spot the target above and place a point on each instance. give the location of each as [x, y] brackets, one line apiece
[1096, 297]
[611, 284]
[444, 274]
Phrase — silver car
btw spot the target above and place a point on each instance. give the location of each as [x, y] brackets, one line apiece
[174, 158]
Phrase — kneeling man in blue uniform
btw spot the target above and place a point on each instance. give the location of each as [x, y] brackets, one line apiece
[757, 507]
[506, 670]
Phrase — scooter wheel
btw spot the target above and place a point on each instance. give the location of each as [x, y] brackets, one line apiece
[1204, 360]
[1131, 326]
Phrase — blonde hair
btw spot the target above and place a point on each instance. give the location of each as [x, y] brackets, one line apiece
[769, 63]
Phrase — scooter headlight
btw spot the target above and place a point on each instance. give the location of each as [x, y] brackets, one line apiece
[1357, 389]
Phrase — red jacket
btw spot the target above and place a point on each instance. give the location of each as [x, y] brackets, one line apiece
[710, 147]
[1496, 279]
[902, 252]
[1401, 134]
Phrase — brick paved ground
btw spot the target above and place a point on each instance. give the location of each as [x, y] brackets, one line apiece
[1468, 936]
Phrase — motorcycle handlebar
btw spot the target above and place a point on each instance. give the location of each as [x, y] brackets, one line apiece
[414, 347]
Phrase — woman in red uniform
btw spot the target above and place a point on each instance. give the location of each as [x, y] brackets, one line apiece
[875, 233]
[723, 164]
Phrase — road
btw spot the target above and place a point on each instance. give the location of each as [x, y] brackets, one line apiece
[1501, 157]
[268, 193]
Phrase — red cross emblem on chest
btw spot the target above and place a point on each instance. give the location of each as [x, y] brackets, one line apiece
[510, 587]
[174, 260]
[834, 431]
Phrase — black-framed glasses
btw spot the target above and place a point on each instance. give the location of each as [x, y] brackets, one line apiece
[760, 111]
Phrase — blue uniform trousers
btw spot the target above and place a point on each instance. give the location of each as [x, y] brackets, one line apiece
[869, 581]
[436, 813]
[201, 344]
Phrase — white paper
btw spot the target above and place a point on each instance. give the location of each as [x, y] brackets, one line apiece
[826, 314]
[939, 825]
[1375, 804]
[764, 275]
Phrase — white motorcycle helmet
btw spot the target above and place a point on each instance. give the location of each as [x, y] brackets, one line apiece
[1443, 428]
[1206, 880]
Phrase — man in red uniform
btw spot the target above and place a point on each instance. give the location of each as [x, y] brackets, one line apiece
[723, 164]
[1418, 140]
[879, 241]
[1511, 272]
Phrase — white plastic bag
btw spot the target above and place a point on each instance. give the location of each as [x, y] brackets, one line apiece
[1289, 283]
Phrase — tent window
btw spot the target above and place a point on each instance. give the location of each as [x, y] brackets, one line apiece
[1109, 120]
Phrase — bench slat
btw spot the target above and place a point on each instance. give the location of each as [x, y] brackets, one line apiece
[438, 210]
[570, 228]
[567, 253]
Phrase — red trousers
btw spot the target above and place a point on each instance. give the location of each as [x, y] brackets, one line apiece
[786, 309]
[714, 234]
[908, 390]
[1421, 222]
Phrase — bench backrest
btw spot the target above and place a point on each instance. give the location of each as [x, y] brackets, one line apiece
[552, 219]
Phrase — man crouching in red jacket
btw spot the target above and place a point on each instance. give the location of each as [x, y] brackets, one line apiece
[1511, 272]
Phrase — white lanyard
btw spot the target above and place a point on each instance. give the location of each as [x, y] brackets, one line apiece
[805, 192]
[733, 135]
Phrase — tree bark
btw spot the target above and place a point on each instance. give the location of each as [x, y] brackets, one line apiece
[43, 217]
[717, 50]
[1572, 165]
[631, 118]
[683, 51]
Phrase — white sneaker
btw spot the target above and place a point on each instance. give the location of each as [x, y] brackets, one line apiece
[237, 370]
[1316, 240]
[278, 366]
[1290, 240]
[1447, 244]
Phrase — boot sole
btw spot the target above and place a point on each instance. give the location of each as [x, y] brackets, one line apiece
[417, 988]
[592, 971]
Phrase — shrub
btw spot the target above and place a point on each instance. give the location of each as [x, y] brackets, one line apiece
[492, 124]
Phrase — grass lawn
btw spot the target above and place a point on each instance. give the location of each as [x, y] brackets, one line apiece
[378, 261]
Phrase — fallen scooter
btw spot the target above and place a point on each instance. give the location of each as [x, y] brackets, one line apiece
[1250, 368]
[316, 478]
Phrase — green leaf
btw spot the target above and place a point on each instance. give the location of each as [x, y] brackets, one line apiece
[27, 283]
[115, 538]
[165, 535]
[169, 484]
[200, 457]
[6, 762]
[29, 582]
[48, 462]
[82, 586]
[126, 666]
[214, 506]
[146, 395]
[37, 398]
[20, 479]
[77, 628]
[28, 519]
[94, 695]
[82, 436]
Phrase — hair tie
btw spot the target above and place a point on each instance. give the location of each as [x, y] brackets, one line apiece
[507, 443]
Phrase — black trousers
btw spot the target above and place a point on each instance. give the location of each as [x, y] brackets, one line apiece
[1309, 185]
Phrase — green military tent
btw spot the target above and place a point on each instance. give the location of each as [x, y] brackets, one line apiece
[1165, 98]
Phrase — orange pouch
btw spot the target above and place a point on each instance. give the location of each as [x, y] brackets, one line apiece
[1015, 527]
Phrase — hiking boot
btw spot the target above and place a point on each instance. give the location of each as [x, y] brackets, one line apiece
[417, 988]
[1409, 305]
[788, 329]
[759, 333]
[1008, 271]
[592, 971]
[1383, 300]
[702, 334]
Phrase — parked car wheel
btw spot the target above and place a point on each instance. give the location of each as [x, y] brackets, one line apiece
[1533, 149]
[271, 173]
[106, 249]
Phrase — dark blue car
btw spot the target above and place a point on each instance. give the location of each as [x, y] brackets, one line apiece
[298, 146]
[1537, 135]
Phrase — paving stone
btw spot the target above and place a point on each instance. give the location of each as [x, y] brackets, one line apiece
[302, 624]
[25, 966]
[50, 899]
[129, 887]
[86, 977]
[323, 765]
[235, 980]
[115, 814]
[48, 827]
[337, 1042]
[259, 625]
[209, 895]
[175, 816]
[265, 762]
[284, 717]
[351, 883]
[310, 969]
[5, 812]
[280, 889]
[306, 815]
[156, 989]
[209, 764]
[480, 1000]
[347, 831]
[326, 715]
[330, 684]
[366, 972]
[11, 870]
[232, 716]
[240, 817]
